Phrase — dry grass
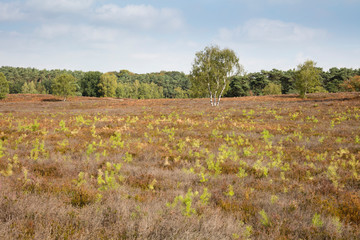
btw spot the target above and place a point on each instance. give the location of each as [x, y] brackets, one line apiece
[274, 167]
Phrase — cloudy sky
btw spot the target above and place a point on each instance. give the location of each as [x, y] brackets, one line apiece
[154, 35]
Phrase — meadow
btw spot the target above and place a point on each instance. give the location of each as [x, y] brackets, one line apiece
[268, 167]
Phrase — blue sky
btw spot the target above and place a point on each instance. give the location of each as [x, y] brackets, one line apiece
[155, 35]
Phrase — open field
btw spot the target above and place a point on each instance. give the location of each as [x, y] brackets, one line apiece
[274, 167]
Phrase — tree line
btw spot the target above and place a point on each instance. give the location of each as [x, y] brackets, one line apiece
[122, 84]
[283, 82]
[171, 84]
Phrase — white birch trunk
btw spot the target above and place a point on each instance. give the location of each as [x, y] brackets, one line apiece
[215, 98]
[211, 97]
[222, 90]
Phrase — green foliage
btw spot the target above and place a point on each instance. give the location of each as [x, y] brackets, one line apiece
[89, 84]
[352, 84]
[264, 218]
[335, 77]
[307, 77]
[64, 86]
[32, 88]
[8, 171]
[112, 178]
[116, 140]
[29, 88]
[272, 89]
[62, 126]
[266, 135]
[107, 85]
[163, 84]
[212, 165]
[230, 191]
[149, 91]
[128, 157]
[43, 78]
[258, 81]
[38, 149]
[242, 173]
[170, 84]
[180, 93]
[317, 221]
[274, 199]
[139, 90]
[205, 197]
[317, 89]
[2, 149]
[239, 87]
[211, 72]
[4, 86]
[80, 180]
[186, 202]
[25, 88]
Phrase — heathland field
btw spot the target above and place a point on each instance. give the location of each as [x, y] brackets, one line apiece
[274, 167]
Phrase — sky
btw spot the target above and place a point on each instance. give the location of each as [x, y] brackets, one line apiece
[164, 35]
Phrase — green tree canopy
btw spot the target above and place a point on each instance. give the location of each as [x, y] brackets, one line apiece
[64, 85]
[307, 77]
[239, 87]
[29, 88]
[258, 81]
[4, 86]
[211, 71]
[89, 84]
[272, 89]
[107, 85]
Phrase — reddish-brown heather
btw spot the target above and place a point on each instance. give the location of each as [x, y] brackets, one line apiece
[104, 168]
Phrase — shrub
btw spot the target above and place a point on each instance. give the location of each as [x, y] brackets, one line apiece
[352, 84]
[272, 89]
[317, 89]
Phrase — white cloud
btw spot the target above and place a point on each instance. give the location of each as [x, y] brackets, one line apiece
[78, 33]
[143, 16]
[267, 30]
[60, 5]
[10, 12]
[53, 31]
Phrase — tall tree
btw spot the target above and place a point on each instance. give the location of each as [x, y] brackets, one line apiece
[212, 70]
[89, 84]
[64, 85]
[29, 88]
[239, 87]
[4, 86]
[258, 81]
[25, 88]
[107, 85]
[307, 76]
[334, 78]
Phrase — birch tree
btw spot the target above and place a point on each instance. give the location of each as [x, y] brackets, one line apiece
[307, 77]
[64, 85]
[211, 71]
